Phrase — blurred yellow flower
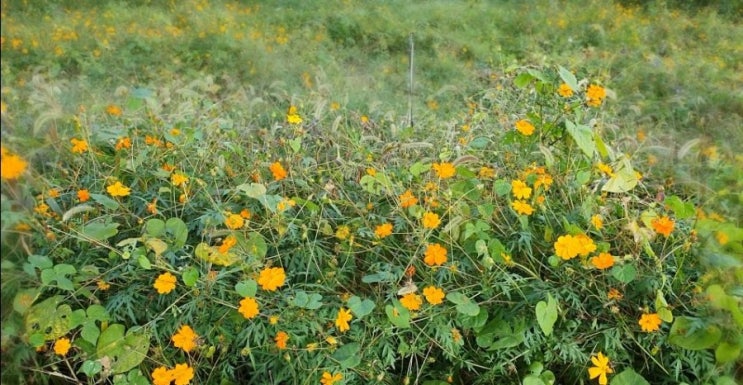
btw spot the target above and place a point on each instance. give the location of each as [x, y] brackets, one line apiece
[273, 320]
[434, 295]
[407, 199]
[595, 95]
[11, 166]
[342, 232]
[165, 283]
[234, 221]
[248, 307]
[524, 127]
[271, 278]
[383, 230]
[103, 285]
[435, 255]
[185, 338]
[292, 117]
[124, 142]
[565, 91]
[411, 301]
[341, 320]
[118, 190]
[650, 322]
[430, 220]
[178, 179]
[585, 245]
[567, 247]
[113, 110]
[486, 172]
[522, 207]
[330, 379]
[597, 222]
[227, 244]
[79, 145]
[614, 294]
[62, 346]
[520, 190]
[444, 170]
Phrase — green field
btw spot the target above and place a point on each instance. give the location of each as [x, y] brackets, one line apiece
[216, 192]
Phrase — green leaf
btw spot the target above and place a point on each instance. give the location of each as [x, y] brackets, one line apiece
[502, 187]
[623, 180]
[50, 317]
[583, 137]
[693, 335]
[628, 377]
[547, 314]
[727, 352]
[398, 315]
[457, 297]
[125, 351]
[144, 262]
[256, 245]
[360, 308]
[295, 144]
[90, 332]
[91, 368]
[307, 301]
[252, 190]
[568, 78]
[105, 201]
[470, 308]
[522, 80]
[154, 227]
[681, 209]
[419, 168]
[98, 313]
[382, 276]
[348, 355]
[178, 229]
[532, 379]
[190, 276]
[247, 288]
[98, 231]
[625, 274]
[24, 299]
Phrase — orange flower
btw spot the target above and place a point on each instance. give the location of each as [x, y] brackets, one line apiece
[113, 110]
[124, 142]
[383, 230]
[79, 145]
[182, 374]
[602, 261]
[11, 166]
[341, 320]
[585, 245]
[595, 95]
[444, 170]
[281, 339]
[433, 294]
[567, 247]
[162, 376]
[227, 244]
[663, 225]
[650, 322]
[407, 199]
[330, 379]
[435, 255]
[614, 294]
[411, 301]
[430, 220]
[185, 338]
[152, 206]
[53, 193]
[83, 195]
[234, 221]
[524, 127]
[165, 283]
[271, 278]
[278, 171]
[248, 307]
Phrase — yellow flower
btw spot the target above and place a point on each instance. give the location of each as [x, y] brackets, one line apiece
[605, 168]
[383, 230]
[62, 346]
[113, 110]
[118, 190]
[649, 322]
[521, 207]
[53, 193]
[520, 190]
[185, 338]
[227, 244]
[103, 285]
[597, 222]
[614, 294]
[601, 368]
[435, 255]
[342, 232]
[411, 301]
[341, 320]
[433, 294]
[182, 374]
[565, 91]
[178, 179]
[165, 283]
[371, 172]
[273, 320]
[11, 166]
[234, 221]
[292, 117]
[567, 247]
[79, 145]
[271, 278]
[524, 127]
[486, 172]
[722, 237]
[585, 245]
[83, 195]
[281, 339]
[124, 142]
[444, 170]
[663, 225]
[430, 220]
[162, 376]
[152, 206]
[248, 307]
[602, 261]
[332, 340]
[278, 171]
[595, 95]
[407, 199]
[330, 379]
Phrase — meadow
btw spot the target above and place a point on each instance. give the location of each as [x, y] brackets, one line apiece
[272, 192]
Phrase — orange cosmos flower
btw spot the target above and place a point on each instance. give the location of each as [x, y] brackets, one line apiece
[165, 283]
[521, 207]
[434, 295]
[330, 379]
[234, 221]
[271, 278]
[185, 338]
[383, 230]
[407, 199]
[11, 166]
[113, 110]
[79, 145]
[411, 301]
[524, 127]
[62, 346]
[430, 220]
[83, 195]
[278, 171]
[650, 322]
[663, 225]
[435, 255]
[444, 170]
[281, 339]
[248, 307]
[602, 261]
[565, 91]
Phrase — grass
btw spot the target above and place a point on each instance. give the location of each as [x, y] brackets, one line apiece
[198, 106]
